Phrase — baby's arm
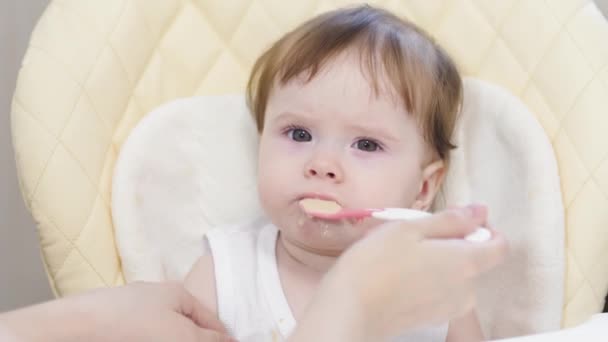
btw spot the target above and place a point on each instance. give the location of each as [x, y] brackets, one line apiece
[201, 282]
[465, 328]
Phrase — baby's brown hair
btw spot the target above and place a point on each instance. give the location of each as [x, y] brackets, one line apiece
[420, 72]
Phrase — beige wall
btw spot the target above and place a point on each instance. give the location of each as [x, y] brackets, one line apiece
[22, 279]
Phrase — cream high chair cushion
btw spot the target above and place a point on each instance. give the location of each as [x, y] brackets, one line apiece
[187, 167]
[95, 67]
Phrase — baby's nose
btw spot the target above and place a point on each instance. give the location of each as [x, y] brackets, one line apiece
[324, 168]
[329, 174]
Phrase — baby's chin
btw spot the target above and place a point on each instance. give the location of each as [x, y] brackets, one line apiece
[326, 237]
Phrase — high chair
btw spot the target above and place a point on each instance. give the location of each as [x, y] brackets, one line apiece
[94, 68]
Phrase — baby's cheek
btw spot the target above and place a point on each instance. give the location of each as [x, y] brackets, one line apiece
[271, 186]
[406, 195]
[391, 193]
[268, 196]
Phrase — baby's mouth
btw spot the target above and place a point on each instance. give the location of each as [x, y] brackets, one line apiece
[325, 212]
[319, 208]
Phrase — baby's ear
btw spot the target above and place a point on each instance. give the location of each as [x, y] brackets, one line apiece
[432, 177]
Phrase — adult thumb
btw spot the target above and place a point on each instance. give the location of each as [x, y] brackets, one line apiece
[454, 223]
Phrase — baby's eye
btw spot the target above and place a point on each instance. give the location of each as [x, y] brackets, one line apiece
[299, 134]
[367, 145]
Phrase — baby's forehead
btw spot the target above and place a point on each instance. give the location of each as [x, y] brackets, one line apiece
[338, 98]
[346, 74]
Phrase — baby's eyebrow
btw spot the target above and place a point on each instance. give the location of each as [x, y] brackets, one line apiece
[288, 116]
[374, 132]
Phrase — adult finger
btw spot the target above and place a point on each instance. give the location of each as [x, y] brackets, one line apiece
[478, 210]
[487, 255]
[193, 309]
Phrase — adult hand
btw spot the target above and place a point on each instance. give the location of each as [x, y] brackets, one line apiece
[403, 275]
[136, 312]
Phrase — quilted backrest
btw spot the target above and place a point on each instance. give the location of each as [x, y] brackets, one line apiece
[94, 68]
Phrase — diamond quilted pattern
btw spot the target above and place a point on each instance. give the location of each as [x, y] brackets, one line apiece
[132, 115]
[589, 213]
[51, 106]
[52, 240]
[590, 36]
[575, 279]
[601, 176]
[77, 193]
[564, 10]
[76, 265]
[200, 57]
[108, 80]
[227, 74]
[573, 172]
[596, 276]
[537, 104]
[563, 95]
[255, 33]
[97, 243]
[468, 22]
[105, 181]
[94, 68]
[129, 52]
[528, 48]
[583, 126]
[227, 15]
[498, 58]
[583, 299]
[37, 160]
[496, 12]
[87, 138]
[80, 45]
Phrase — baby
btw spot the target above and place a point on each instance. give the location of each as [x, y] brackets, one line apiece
[355, 107]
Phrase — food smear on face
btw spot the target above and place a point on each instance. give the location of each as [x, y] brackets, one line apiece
[319, 207]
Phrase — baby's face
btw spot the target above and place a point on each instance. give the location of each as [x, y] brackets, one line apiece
[332, 138]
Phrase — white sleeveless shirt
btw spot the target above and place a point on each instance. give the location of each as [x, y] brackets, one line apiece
[250, 298]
